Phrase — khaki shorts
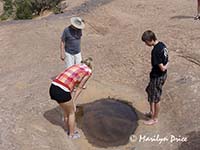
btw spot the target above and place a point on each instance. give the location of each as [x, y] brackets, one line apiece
[71, 60]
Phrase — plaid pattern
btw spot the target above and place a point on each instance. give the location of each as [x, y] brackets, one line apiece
[72, 75]
[154, 88]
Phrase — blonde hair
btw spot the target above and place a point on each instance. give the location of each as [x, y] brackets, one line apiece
[88, 62]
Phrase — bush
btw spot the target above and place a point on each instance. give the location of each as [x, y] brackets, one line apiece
[8, 9]
[40, 5]
[26, 9]
[23, 9]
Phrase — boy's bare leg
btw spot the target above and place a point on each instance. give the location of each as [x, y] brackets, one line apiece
[153, 110]
[197, 17]
[149, 114]
[154, 107]
[157, 109]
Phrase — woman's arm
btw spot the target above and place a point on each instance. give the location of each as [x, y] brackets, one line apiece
[79, 90]
[80, 87]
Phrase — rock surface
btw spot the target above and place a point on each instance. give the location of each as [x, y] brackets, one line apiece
[30, 58]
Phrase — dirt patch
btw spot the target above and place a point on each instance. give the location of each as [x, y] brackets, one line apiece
[107, 122]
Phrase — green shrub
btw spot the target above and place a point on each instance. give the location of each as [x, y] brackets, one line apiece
[26, 9]
[23, 9]
[8, 9]
[40, 5]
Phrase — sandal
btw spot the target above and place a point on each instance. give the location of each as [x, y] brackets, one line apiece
[74, 136]
[75, 132]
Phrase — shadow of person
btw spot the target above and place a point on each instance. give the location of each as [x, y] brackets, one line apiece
[55, 116]
[140, 115]
[192, 143]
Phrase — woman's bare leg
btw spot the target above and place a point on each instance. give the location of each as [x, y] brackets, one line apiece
[69, 115]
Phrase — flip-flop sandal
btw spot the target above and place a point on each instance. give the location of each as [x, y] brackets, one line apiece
[150, 122]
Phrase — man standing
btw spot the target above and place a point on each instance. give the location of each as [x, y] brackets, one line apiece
[70, 45]
[158, 74]
[197, 17]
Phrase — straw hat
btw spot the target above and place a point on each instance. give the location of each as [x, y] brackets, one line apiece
[77, 22]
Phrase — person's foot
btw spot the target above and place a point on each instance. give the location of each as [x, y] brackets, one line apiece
[151, 122]
[197, 17]
[76, 135]
[75, 132]
[148, 114]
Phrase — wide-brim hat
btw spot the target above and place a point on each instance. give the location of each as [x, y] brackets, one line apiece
[77, 22]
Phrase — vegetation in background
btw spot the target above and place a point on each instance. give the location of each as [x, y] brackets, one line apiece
[8, 9]
[24, 9]
[27, 9]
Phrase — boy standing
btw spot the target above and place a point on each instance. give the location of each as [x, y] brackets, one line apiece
[158, 74]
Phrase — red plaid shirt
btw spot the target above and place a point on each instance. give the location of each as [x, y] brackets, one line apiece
[73, 75]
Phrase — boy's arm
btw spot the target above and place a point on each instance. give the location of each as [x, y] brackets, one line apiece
[163, 67]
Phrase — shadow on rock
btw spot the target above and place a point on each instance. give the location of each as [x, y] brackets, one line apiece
[193, 141]
[55, 116]
[107, 122]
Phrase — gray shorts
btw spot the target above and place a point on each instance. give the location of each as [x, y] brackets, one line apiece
[154, 88]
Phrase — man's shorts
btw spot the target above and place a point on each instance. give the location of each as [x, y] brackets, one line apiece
[58, 94]
[154, 88]
[72, 59]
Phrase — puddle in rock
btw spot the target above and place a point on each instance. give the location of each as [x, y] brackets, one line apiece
[107, 122]
[193, 141]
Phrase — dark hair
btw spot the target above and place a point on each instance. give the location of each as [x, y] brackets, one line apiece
[148, 36]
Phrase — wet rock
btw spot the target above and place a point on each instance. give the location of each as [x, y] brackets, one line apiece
[193, 141]
[108, 122]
